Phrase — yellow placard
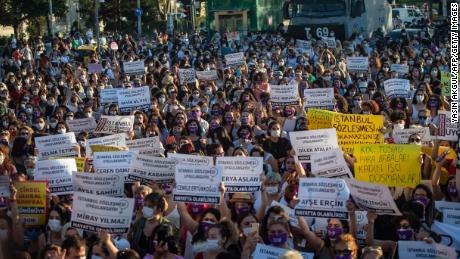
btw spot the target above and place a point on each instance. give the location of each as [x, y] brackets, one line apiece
[352, 129]
[80, 161]
[100, 148]
[31, 201]
[393, 165]
[450, 156]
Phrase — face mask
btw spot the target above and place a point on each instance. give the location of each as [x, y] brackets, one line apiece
[205, 225]
[147, 212]
[386, 69]
[398, 126]
[289, 112]
[334, 233]
[192, 129]
[247, 231]
[405, 234]
[423, 200]
[357, 102]
[61, 131]
[161, 100]
[429, 62]
[420, 98]
[277, 239]
[212, 244]
[271, 189]
[423, 122]
[275, 133]
[352, 94]
[40, 126]
[343, 256]
[452, 191]
[242, 210]
[244, 135]
[228, 119]
[55, 225]
[53, 124]
[96, 257]
[434, 73]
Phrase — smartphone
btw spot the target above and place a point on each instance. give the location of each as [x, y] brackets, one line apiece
[254, 227]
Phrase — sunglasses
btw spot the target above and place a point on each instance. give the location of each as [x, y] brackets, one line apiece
[417, 140]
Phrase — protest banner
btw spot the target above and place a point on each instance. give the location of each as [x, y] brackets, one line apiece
[446, 205]
[322, 198]
[401, 69]
[361, 222]
[32, 202]
[445, 84]
[79, 125]
[207, 75]
[114, 124]
[197, 183]
[451, 217]
[372, 197]
[305, 143]
[118, 140]
[60, 145]
[96, 213]
[191, 159]
[447, 230]
[58, 173]
[393, 165]
[320, 98]
[330, 164]
[401, 136]
[131, 99]
[94, 68]
[330, 42]
[420, 249]
[147, 169]
[270, 252]
[113, 162]
[234, 59]
[99, 148]
[397, 88]
[233, 35]
[304, 46]
[134, 67]
[109, 95]
[284, 95]
[80, 163]
[99, 183]
[352, 129]
[357, 64]
[4, 186]
[187, 75]
[241, 174]
[146, 146]
[447, 130]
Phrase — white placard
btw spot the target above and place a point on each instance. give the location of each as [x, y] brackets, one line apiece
[99, 184]
[96, 213]
[451, 217]
[234, 59]
[197, 184]
[134, 67]
[187, 75]
[146, 146]
[270, 252]
[330, 164]
[420, 249]
[191, 159]
[447, 230]
[118, 140]
[305, 143]
[284, 95]
[109, 95]
[233, 35]
[241, 174]
[147, 169]
[401, 69]
[397, 88]
[357, 64]
[401, 136]
[446, 130]
[330, 42]
[207, 75]
[60, 145]
[446, 205]
[131, 99]
[79, 125]
[113, 162]
[58, 173]
[321, 98]
[372, 197]
[4, 186]
[323, 198]
[114, 124]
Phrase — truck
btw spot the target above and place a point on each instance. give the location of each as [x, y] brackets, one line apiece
[337, 18]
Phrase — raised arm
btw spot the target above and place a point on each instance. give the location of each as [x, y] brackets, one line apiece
[186, 219]
[315, 242]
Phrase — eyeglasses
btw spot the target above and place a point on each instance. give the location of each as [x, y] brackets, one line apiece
[422, 117]
[417, 140]
[342, 252]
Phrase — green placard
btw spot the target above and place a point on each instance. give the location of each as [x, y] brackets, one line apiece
[445, 83]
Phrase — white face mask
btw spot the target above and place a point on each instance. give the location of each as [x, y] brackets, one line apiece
[246, 231]
[212, 245]
[199, 247]
[61, 131]
[3, 234]
[398, 126]
[148, 212]
[420, 98]
[275, 133]
[271, 189]
[55, 225]
[96, 257]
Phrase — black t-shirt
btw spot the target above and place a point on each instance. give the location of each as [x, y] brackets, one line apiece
[277, 149]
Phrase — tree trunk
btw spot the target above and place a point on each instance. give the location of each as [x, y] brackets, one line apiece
[48, 25]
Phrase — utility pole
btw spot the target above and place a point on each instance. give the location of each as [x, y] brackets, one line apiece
[96, 11]
[192, 13]
[139, 20]
[50, 6]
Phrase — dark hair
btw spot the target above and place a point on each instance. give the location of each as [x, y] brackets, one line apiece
[73, 242]
[157, 200]
[225, 230]
[200, 234]
[397, 115]
[128, 254]
[165, 233]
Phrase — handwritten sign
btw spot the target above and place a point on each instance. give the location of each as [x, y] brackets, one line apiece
[99, 184]
[210, 75]
[134, 67]
[401, 136]
[79, 125]
[357, 64]
[445, 84]
[131, 99]
[234, 59]
[187, 75]
[60, 145]
[146, 146]
[321, 98]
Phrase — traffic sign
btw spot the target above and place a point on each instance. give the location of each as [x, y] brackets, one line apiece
[138, 12]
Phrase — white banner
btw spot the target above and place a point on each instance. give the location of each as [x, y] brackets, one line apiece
[451, 217]
[330, 164]
[191, 159]
[197, 184]
[99, 184]
[147, 169]
[357, 64]
[323, 198]
[79, 125]
[131, 99]
[420, 249]
[234, 59]
[270, 252]
[96, 213]
[321, 98]
[118, 140]
[241, 174]
[207, 75]
[401, 69]
[58, 174]
[330, 42]
[305, 143]
[113, 162]
[134, 67]
[446, 130]
[114, 124]
[109, 95]
[401, 136]
[372, 197]
[186, 75]
[397, 88]
[446, 205]
[60, 145]
[284, 95]
[146, 146]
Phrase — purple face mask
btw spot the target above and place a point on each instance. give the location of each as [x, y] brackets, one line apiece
[244, 120]
[423, 200]
[334, 233]
[242, 210]
[197, 209]
[277, 239]
[452, 191]
[343, 257]
[399, 105]
[288, 112]
[228, 119]
[192, 129]
[205, 225]
[195, 114]
[405, 234]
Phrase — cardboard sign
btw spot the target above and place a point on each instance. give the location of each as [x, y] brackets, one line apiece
[330, 164]
[99, 184]
[305, 143]
[32, 202]
[114, 124]
[58, 173]
[401, 69]
[397, 88]
[191, 159]
[393, 165]
[447, 130]
[420, 249]
[94, 68]
[372, 197]
[109, 95]
[79, 125]
[60, 145]
[187, 75]
[352, 129]
[321, 98]
[4, 186]
[197, 184]
[96, 213]
[241, 174]
[322, 198]
[113, 162]
[401, 136]
[118, 140]
[146, 146]
[131, 99]
[134, 67]
[270, 252]
[210, 75]
[445, 84]
[284, 95]
[234, 59]
[357, 64]
[147, 169]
